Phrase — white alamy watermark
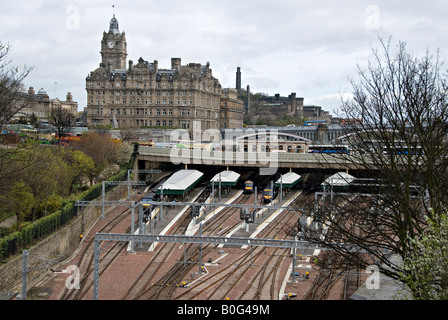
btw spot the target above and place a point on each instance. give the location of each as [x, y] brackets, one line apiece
[255, 148]
[373, 17]
[72, 281]
[72, 21]
[373, 280]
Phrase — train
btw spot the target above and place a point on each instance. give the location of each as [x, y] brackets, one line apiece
[328, 149]
[248, 186]
[403, 150]
[269, 194]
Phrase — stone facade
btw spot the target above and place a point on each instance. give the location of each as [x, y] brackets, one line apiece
[272, 108]
[144, 95]
[40, 104]
[316, 113]
[232, 109]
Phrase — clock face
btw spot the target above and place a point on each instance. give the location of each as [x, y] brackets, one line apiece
[110, 44]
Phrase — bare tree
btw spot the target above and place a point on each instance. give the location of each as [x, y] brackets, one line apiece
[399, 143]
[62, 119]
[11, 86]
[11, 79]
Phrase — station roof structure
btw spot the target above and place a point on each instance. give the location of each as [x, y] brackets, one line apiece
[288, 180]
[181, 182]
[228, 178]
[338, 180]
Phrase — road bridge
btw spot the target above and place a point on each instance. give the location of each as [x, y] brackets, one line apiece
[247, 159]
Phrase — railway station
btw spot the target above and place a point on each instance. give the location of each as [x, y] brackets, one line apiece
[287, 181]
[219, 219]
[338, 181]
[180, 182]
[224, 181]
[226, 202]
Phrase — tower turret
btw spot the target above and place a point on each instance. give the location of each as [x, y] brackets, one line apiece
[113, 47]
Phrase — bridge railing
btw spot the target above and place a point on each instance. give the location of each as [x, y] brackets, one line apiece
[181, 155]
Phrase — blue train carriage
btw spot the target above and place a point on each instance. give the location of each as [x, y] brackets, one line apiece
[269, 193]
[339, 149]
[403, 150]
[248, 187]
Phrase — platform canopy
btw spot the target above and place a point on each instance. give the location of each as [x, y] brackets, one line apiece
[288, 180]
[228, 178]
[181, 182]
[338, 180]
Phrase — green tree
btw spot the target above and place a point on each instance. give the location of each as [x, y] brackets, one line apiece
[426, 265]
[48, 175]
[83, 166]
[101, 148]
[20, 201]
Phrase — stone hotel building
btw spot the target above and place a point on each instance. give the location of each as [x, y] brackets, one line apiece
[128, 95]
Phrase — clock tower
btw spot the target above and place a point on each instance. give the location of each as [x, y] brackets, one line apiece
[113, 47]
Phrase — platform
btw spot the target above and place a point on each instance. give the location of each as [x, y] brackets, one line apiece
[181, 182]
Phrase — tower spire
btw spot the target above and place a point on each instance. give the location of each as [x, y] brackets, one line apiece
[113, 25]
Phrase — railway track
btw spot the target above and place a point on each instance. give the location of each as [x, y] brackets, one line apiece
[146, 277]
[117, 220]
[239, 279]
[144, 282]
[151, 285]
[166, 285]
[85, 260]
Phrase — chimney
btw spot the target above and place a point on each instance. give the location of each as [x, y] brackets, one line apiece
[175, 63]
[248, 99]
[238, 80]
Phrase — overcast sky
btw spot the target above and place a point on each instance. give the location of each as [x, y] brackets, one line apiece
[282, 46]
